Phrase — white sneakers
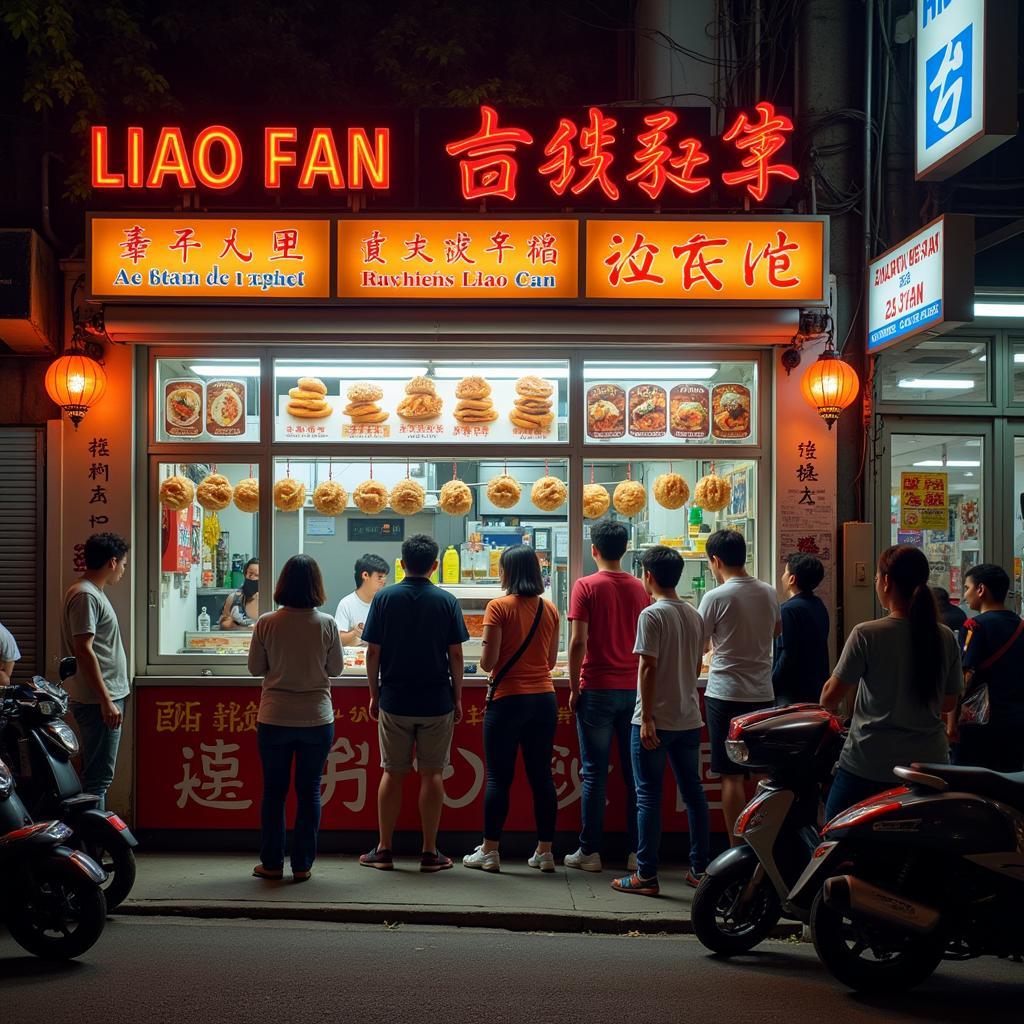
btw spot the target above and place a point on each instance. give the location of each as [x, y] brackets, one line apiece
[490, 861]
[583, 861]
[592, 861]
[543, 861]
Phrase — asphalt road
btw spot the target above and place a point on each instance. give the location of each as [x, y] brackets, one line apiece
[187, 970]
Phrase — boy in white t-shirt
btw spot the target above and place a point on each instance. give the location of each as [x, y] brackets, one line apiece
[667, 721]
[741, 620]
[371, 572]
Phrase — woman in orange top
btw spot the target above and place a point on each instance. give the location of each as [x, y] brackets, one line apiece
[522, 712]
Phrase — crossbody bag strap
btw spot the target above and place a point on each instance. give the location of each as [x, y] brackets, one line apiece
[990, 661]
[504, 670]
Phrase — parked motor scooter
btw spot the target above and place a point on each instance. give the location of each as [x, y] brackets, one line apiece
[39, 747]
[745, 890]
[930, 870]
[50, 895]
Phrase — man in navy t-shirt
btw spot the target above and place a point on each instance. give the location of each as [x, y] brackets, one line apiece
[414, 633]
[801, 668]
[999, 745]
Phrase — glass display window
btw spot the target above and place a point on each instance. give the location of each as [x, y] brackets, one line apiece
[661, 503]
[947, 371]
[208, 592]
[199, 400]
[348, 513]
[670, 403]
[936, 502]
[421, 400]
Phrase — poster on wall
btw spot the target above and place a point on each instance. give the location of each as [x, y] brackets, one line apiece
[924, 501]
[225, 408]
[473, 409]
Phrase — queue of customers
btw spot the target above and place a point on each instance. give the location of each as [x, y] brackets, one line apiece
[912, 689]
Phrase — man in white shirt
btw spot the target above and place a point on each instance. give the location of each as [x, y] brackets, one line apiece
[741, 620]
[9, 654]
[371, 573]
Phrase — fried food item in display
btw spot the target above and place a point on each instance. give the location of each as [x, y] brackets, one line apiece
[309, 410]
[314, 384]
[214, 493]
[472, 387]
[548, 493]
[407, 497]
[302, 395]
[671, 490]
[420, 406]
[371, 497]
[533, 387]
[247, 495]
[596, 501]
[364, 392]
[330, 498]
[371, 417]
[455, 498]
[476, 415]
[533, 406]
[177, 493]
[527, 421]
[629, 498]
[289, 495]
[421, 386]
[360, 408]
[503, 491]
[480, 404]
[712, 493]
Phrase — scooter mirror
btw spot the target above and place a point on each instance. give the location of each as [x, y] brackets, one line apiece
[67, 668]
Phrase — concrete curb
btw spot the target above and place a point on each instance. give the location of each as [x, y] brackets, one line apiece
[455, 917]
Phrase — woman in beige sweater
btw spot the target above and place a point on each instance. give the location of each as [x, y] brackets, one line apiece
[296, 649]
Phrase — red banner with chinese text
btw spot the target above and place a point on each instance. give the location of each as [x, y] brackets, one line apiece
[197, 767]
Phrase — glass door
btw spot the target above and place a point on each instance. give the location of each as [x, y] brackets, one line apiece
[939, 483]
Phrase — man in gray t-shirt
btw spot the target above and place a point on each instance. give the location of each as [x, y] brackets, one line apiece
[89, 631]
[9, 654]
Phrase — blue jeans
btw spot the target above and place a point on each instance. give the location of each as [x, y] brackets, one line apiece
[682, 750]
[600, 715]
[849, 789]
[278, 746]
[99, 748]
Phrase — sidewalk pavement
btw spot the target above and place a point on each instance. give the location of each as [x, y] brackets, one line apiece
[519, 899]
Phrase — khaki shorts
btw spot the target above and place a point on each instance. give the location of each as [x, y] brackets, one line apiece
[431, 736]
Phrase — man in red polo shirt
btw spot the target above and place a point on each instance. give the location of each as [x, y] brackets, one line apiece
[604, 610]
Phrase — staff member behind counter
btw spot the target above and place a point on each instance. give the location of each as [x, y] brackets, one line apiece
[242, 606]
[371, 574]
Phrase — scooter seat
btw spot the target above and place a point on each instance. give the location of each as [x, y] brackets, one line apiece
[1006, 787]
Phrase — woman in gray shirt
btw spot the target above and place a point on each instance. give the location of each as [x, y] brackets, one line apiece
[296, 649]
[908, 669]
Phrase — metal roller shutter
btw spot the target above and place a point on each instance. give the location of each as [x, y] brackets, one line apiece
[22, 565]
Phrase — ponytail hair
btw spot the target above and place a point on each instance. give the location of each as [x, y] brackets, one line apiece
[907, 570]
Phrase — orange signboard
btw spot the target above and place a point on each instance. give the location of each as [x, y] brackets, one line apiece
[746, 260]
[191, 257]
[496, 258]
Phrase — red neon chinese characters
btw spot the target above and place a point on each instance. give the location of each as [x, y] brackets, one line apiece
[778, 260]
[285, 242]
[595, 139]
[655, 159]
[231, 245]
[184, 242]
[499, 244]
[637, 261]
[457, 248]
[560, 166]
[542, 248]
[697, 267]
[135, 245]
[761, 140]
[372, 246]
[417, 246]
[488, 171]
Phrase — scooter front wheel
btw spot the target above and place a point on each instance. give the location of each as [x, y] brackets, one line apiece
[729, 916]
[58, 915]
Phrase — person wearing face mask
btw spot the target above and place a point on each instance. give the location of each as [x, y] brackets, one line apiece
[242, 606]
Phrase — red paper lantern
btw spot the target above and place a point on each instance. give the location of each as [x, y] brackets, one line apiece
[76, 383]
[830, 385]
